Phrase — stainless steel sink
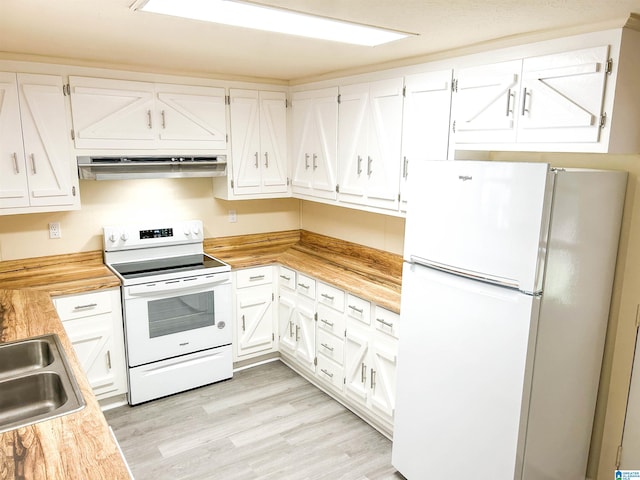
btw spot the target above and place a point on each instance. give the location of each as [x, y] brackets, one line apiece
[36, 382]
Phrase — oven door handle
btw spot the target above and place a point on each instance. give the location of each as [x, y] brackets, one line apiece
[184, 285]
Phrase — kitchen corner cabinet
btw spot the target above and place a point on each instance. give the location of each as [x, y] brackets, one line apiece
[254, 312]
[37, 171]
[314, 132]
[425, 122]
[259, 142]
[122, 114]
[93, 323]
[369, 143]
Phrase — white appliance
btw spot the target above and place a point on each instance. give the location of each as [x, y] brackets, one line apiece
[176, 307]
[505, 299]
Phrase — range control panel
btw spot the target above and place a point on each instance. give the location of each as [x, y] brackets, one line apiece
[128, 237]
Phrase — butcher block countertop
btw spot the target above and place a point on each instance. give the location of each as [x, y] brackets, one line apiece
[75, 446]
[369, 273]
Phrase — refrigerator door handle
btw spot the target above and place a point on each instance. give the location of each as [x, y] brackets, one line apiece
[483, 277]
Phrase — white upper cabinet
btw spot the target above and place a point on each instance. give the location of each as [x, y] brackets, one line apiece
[425, 123]
[547, 99]
[561, 96]
[258, 141]
[369, 143]
[548, 102]
[133, 115]
[37, 170]
[484, 103]
[314, 131]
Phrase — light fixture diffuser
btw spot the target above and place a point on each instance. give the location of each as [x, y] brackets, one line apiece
[261, 17]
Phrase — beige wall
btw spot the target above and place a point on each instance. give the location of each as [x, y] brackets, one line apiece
[383, 232]
[129, 201]
[621, 333]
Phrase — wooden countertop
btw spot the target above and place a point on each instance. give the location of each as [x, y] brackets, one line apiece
[58, 274]
[74, 446]
[369, 273]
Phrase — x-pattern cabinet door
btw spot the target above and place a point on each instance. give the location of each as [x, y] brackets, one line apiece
[305, 335]
[356, 364]
[382, 378]
[255, 320]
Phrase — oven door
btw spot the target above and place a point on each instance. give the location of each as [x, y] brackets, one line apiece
[176, 317]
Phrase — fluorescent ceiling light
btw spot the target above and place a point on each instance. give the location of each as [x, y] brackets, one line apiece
[260, 17]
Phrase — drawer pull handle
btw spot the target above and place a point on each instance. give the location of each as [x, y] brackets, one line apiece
[327, 322]
[164, 120]
[373, 379]
[243, 326]
[297, 333]
[331, 298]
[33, 163]
[306, 161]
[290, 329]
[266, 159]
[327, 347]
[84, 307]
[256, 277]
[356, 309]
[285, 277]
[303, 285]
[149, 122]
[363, 373]
[109, 359]
[386, 324]
[328, 374]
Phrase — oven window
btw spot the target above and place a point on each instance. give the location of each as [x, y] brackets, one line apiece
[180, 314]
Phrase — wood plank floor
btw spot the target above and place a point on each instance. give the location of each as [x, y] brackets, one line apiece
[266, 423]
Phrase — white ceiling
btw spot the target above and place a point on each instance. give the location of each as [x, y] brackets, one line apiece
[108, 32]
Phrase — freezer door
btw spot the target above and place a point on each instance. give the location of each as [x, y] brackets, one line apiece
[464, 377]
[482, 219]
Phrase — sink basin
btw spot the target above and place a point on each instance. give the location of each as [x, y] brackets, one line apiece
[36, 382]
[25, 356]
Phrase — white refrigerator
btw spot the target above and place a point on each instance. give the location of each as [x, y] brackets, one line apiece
[506, 289]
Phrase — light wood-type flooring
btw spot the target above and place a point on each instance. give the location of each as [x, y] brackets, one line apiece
[266, 423]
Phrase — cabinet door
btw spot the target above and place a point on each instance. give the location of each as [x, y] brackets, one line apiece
[113, 113]
[191, 117]
[425, 124]
[93, 343]
[51, 169]
[273, 141]
[562, 96]
[305, 334]
[484, 103]
[382, 376]
[287, 322]
[255, 320]
[356, 364]
[245, 141]
[13, 174]
[385, 134]
[353, 154]
[315, 140]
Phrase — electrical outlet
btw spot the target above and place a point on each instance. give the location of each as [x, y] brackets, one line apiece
[233, 217]
[54, 230]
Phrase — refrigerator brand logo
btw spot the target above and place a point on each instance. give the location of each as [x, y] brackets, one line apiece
[464, 178]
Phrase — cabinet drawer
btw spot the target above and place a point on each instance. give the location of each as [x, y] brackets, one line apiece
[359, 309]
[287, 278]
[331, 321]
[386, 321]
[330, 372]
[330, 346]
[83, 305]
[331, 296]
[249, 277]
[306, 286]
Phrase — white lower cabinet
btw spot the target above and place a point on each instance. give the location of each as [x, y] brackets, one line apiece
[254, 312]
[93, 323]
[345, 344]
